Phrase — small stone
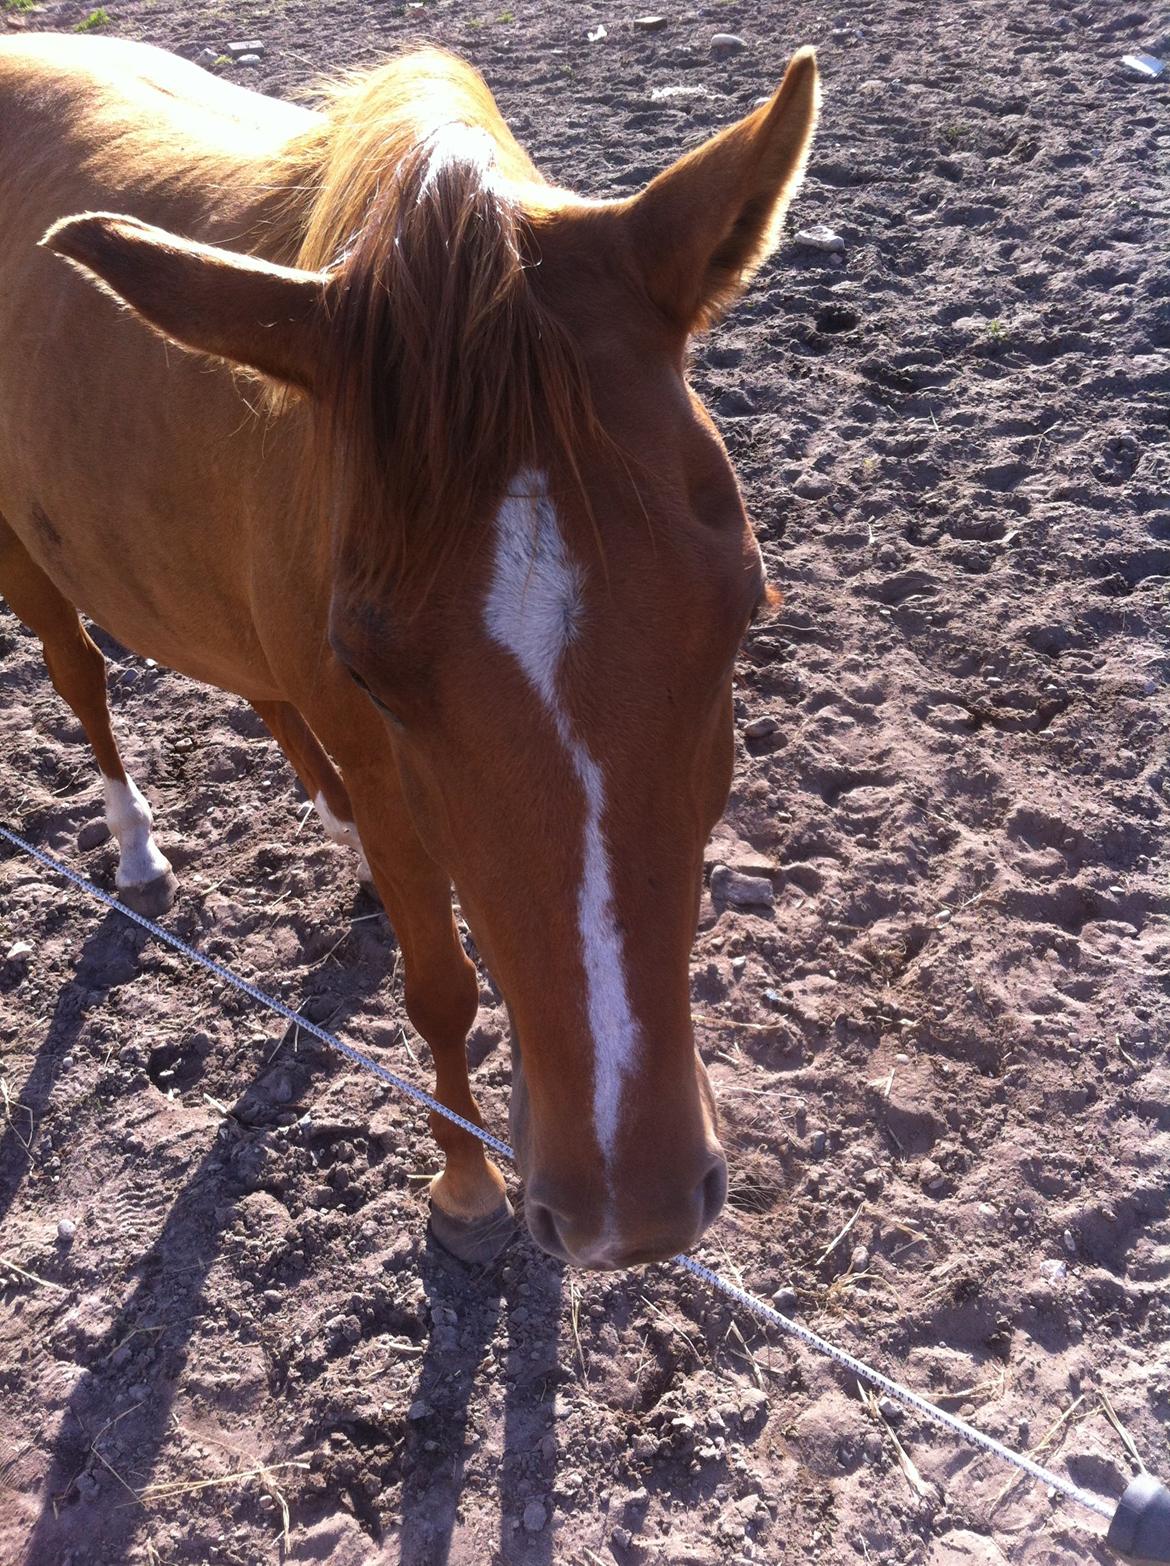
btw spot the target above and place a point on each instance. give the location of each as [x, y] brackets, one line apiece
[1068, 1242]
[724, 45]
[92, 835]
[206, 58]
[650, 24]
[760, 728]
[247, 59]
[1054, 1268]
[891, 1410]
[820, 237]
[246, 46]
[596, 34]
[738, 964]
[873, 1180]
[66, 1229]
[784, 1299]
[812, 486]
[930, 1175]
[859, 1261]
[535, 1516]
[419, 1409]
[17, 950]
[819, 1142]
[741, 891]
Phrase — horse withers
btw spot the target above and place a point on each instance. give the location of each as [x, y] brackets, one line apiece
[431, 492]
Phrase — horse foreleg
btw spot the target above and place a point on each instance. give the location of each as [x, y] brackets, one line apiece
[78, 671]
[320, 779]
[470, 1212]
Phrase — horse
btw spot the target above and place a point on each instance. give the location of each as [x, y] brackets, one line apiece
[428, 487]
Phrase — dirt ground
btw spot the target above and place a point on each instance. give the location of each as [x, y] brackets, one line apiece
[942, 1061]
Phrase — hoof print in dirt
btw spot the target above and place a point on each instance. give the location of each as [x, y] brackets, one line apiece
[478, 1241]
[152, 898]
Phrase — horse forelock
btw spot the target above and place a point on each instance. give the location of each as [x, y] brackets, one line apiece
[448, 373]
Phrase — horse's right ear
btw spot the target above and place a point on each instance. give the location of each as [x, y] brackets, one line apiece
[234, 307]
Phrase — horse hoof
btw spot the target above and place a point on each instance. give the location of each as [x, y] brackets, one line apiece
[476, 1240]
[152, 898]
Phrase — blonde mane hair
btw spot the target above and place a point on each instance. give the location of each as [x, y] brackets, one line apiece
[448, 374]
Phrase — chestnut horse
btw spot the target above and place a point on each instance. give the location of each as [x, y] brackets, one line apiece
[430, 491]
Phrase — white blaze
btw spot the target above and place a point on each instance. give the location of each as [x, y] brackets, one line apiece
[533, 609]
[457, 143]
[129, 819]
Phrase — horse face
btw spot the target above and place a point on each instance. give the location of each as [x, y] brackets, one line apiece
[564, 736]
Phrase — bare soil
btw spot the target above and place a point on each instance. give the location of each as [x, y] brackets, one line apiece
[947, 1045]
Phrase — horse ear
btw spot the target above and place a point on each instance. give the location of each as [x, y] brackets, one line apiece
[701, 229]
[235, 307]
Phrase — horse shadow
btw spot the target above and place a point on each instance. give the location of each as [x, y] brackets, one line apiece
[109, 1435]
[524, 1291]
[108, 958]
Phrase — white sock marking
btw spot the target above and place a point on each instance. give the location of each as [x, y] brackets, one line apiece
[343, 832]
[129, 818]
[533, 609]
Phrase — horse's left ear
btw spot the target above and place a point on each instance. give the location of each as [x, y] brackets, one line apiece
[219, 302]
[701, 229]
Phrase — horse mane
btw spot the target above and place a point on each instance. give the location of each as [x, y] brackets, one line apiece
[448, 373]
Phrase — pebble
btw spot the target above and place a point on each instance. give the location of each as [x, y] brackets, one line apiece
[742, 891]
[785, 1299]
[873, 1180]
[247, 59]
[650, 24]
[206, 58]
[92, 835]
[819, 1142]
[535, 1516]
[738, 964]
[419, 1409]
[820, 237]
[859, 1261]
[596, 34]
[17, 950]
[66, 1229]
[724, 45]
[760, 728]
[930, 1175]
[1069, 1243]
[890, 1410]
[1054, 1268]
[812, 486]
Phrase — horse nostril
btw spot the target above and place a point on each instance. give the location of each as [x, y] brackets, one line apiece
[713, 1191]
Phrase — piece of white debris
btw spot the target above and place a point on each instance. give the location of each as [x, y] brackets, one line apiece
[820, 237]
[1146, 67]
[66, 1229]
[17, 950]
[596, 34]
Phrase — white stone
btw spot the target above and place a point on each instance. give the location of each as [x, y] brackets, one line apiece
[820, 237]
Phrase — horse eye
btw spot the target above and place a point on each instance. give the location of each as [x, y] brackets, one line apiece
[377, 701]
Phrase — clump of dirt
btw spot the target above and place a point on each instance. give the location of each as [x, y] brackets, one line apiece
[941, 1059]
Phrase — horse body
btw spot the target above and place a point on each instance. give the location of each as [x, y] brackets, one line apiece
[430, 491]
